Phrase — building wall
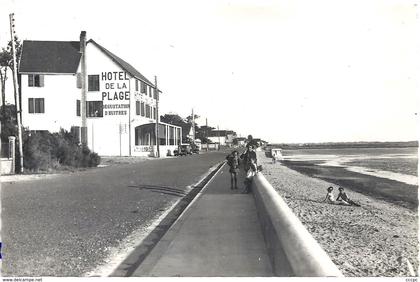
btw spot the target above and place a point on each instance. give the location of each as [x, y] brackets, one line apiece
[60, 93]
[112, 134]
[216, 140]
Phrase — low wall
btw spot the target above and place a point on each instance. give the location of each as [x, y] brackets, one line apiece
[6, 166]
[291, 248]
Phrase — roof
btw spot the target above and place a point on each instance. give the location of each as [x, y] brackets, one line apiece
[123, 64]
[50, 56]
[64, 57]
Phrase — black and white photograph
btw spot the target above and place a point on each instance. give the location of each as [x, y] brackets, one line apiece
[244, 139]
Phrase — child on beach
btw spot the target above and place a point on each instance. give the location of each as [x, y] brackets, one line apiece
[233, 162]
[343, 196]
[330, 198]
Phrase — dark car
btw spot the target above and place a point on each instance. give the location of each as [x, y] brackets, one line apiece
[183, 150]
[195, 149]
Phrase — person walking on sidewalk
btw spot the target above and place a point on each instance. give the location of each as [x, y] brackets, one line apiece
[233, 162]
[250, 166]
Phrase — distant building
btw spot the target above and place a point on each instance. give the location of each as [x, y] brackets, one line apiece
[222, 137]
[120, 102]
[240, 141]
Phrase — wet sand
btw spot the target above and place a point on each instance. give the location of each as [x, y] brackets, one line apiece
[380, 238]
[393, 191]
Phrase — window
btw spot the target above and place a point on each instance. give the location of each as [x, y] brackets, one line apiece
[143, 87]
[36, 105]
[137, 85]
[155, 93]
[142, 109]
[171, 135]
[94, 109]
[35, 80]
[147, 111]
[78, 108]
[150, 91]
[154, 112]
[138, 108]
[93, 82]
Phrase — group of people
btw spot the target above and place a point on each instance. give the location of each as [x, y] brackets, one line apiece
[342, 198]
[250, 165]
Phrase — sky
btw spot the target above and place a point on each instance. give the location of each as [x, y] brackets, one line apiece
[285, 71]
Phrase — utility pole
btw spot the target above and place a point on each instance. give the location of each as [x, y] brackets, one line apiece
[218, 135]
[207, 135]
[193, 124]
[16, 88]
[157, 119]
[83, 99]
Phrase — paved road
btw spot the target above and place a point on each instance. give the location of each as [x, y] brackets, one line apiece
[219, 235]
[65, 226]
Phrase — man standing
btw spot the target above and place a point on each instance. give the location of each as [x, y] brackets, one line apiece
[252, 142]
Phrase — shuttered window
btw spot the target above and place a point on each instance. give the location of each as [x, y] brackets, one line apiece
[35, 80]
[143, 87]
[147, 111]
[138, 108]
[36, 105]
[94, 109]
[93, 82]
[142, 109]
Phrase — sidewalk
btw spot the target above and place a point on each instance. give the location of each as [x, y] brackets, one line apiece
[218, 235]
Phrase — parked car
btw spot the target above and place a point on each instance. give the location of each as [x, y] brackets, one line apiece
[195, 149]
[183, 150]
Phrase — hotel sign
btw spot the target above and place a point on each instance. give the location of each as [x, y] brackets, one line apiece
[116, 93]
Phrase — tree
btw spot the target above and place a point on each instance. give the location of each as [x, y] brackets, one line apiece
[203, 132]
[189, 118]
[5, 58]
[173, 119]
[6, 63]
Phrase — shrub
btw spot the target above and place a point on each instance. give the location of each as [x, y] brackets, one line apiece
[43, 151]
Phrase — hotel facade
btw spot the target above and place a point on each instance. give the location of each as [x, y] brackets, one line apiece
[82, 87]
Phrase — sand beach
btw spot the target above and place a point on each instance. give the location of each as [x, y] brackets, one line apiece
[377, 239]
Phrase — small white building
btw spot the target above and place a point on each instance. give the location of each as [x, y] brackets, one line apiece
[222, 137]
[120, 108]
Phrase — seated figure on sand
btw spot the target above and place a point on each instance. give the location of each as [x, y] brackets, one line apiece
[330, 198]
[343, 196]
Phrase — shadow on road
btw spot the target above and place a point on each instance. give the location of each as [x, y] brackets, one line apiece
[161, 189]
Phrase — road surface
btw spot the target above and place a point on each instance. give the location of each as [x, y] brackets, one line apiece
[65, 226]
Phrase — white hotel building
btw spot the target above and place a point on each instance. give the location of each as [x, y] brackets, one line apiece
[120, 112]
